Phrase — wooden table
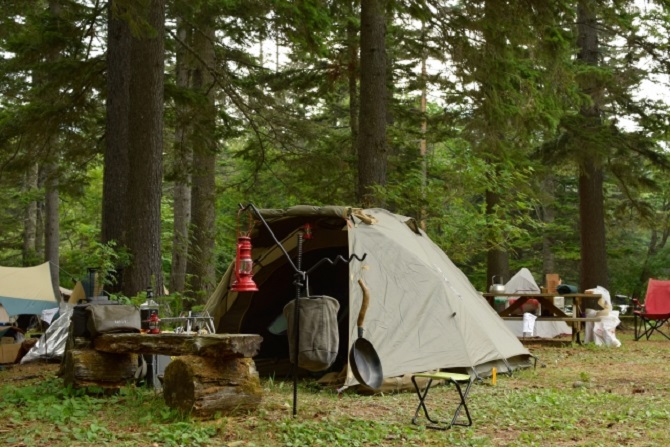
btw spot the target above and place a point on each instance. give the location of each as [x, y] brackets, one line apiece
[549, 312]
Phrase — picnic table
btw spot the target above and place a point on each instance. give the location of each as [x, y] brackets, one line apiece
[549, 311]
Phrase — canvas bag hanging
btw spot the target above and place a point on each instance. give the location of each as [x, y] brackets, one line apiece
[319, 334]
[105, 319]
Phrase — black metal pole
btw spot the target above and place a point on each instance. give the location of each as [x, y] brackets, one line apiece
[299, 280]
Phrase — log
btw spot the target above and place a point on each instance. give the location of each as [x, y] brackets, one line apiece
[206, 386]
[210, 345]
[89, 368]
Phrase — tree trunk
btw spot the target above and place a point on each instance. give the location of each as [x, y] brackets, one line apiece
[30, 185]
[205, 386]
[497, 260]
[116, 172]
[87, 368]
[424, 129]
[51, 200]
[548, 214]
[39, 230]
[201, 259]
[145, 155]
[181, 172]
[593, 266]
[52, 228]
[372, 147]
[352, 42]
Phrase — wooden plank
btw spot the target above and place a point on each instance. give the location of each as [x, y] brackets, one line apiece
[210, 345]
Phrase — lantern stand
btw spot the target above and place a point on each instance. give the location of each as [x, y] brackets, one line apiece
[299, 281]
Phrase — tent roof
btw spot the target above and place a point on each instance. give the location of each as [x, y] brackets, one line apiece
[27, 290]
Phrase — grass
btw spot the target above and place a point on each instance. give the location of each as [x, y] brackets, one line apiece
[581, 396]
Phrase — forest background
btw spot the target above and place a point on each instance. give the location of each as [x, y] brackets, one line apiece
[529, 133]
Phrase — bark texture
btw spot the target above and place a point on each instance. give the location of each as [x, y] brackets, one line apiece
[88, 367]
[181, 172]
[205, 386]
[593, 266]
[211, 345]
[29, 252]
[52, 227]
[372, 146]
[146, 151]
[203, 231]
[497, 260]
[115, 176]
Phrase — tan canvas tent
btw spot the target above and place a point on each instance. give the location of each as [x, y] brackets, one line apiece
[27, 290]
[424, 313]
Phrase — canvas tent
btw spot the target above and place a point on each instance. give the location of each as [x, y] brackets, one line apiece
[424, 313]
[524, 282]
[26, 290]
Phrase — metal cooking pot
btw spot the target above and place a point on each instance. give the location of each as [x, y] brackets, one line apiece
[496, 287]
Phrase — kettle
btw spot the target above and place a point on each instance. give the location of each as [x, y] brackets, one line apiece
[496, 287]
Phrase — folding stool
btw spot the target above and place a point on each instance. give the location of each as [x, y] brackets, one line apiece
[457, 380]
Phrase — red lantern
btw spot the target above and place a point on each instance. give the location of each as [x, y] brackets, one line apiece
[244, 265]
[307, 229]
[154, 323]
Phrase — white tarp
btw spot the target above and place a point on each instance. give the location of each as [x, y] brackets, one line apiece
[51, 344]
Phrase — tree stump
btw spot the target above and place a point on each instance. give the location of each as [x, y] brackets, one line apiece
[204, 386]
[88, 367]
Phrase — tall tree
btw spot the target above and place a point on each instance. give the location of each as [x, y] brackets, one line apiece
[52, 218]
[352, 42]
[201, 250]
[30, 187]
[116, 171]
[593, 267]
[181, 165]
[372, 144]
[145, 179]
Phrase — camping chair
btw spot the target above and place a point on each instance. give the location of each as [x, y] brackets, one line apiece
[456, 380]
[655, 312]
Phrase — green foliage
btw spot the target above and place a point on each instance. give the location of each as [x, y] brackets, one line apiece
[74, 412]
[183, 434]
[342, 432]
[106, 258]
[585, 394]
[504, 114]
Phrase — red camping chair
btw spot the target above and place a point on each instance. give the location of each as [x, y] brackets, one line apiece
[655, 311]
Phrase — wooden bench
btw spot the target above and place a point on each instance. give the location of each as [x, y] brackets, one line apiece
[576, 323]
[208, 374]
